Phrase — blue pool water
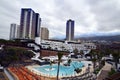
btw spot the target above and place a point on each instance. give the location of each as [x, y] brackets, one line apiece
[63, 71]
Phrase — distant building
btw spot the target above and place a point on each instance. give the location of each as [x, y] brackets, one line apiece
[67, 46]
[14, 31]
[70, 30]
[29, 24]
[44, 33]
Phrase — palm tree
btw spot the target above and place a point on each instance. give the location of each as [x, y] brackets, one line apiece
[99, 55]
[59, 54]
[93, 58]
[81, 53]
[75, 51]
[77, 70]
[51, 62]
[69, 61]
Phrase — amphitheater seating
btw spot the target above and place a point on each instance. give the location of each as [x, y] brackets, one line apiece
[23, 74]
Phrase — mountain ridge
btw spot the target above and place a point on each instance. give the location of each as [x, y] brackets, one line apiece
[105, 37]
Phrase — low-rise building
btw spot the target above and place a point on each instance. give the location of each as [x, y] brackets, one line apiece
[69, 46]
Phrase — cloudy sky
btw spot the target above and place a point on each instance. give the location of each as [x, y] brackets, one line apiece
[92, 17]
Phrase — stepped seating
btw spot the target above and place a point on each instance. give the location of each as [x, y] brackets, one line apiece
[23, 74]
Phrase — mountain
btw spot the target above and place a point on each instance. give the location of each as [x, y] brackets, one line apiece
[107, 38]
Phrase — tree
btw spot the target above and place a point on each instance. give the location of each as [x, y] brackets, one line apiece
[115, 53]
[69, 61]
[99, 55]
[77, 70]
[75, 51]
[93, 57]
[116, 56]
[107, 51]
[59, 54]
[51, 62]
[3, 41]
[14, 54]
[49, 48]
[111, 72]
[81, 53]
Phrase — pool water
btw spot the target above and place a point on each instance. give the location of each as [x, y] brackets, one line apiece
[63, 70]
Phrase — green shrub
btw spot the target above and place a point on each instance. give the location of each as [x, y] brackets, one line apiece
[77, 70]
[96, 71]
[111, 72]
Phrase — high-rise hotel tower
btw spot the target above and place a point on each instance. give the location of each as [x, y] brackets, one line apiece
[44, 33]
[29, 24]
[70, 30]
[14, 31]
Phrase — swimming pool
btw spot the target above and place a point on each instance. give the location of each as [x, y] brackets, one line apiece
[63, 70]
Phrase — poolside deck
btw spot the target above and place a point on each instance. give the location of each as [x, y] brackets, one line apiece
[83, 75]
[26, 72]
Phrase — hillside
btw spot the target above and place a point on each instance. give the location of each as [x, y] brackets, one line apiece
[107, 38]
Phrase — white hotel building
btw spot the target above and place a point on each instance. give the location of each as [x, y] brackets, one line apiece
[67, 46]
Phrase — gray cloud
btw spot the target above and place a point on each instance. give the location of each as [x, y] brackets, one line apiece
[106, 14]
[91, 16]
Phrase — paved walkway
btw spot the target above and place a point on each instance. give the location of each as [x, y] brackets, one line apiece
[104, 71]
[8, 75]
[3, 76]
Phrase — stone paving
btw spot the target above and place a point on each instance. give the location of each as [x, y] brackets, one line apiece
[104, 71]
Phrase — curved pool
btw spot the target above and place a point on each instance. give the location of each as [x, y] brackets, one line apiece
[63, 71]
